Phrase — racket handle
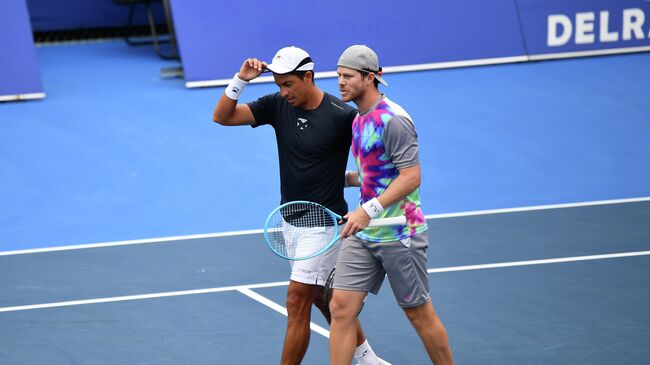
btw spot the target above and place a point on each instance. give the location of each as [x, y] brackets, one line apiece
[392, 221]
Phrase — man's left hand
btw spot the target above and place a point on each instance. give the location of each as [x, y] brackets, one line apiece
[357, 221]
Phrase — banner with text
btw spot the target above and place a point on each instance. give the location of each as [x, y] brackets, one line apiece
[572, 27]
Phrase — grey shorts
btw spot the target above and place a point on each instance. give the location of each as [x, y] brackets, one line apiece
[362, 265]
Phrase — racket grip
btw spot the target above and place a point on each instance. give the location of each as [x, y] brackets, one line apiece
[392, 221]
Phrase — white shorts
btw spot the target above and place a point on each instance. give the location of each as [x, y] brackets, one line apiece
[314, 271]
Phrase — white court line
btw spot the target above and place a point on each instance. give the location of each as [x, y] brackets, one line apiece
[539, 262]
[246, 288]
[139, 297]
[256, 231]
[535, 208]
[131, 242]
[280, 309]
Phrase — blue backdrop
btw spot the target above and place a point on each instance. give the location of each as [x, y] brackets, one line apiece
[215, 37]
[19, 73]
[48, 15]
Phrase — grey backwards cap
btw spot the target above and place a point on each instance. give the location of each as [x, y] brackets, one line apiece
[362, 58]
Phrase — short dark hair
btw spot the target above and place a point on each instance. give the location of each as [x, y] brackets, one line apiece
[375, 81]
[301, 74]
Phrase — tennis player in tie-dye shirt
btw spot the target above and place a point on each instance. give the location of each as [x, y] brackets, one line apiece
[385, 147]
[378, 147]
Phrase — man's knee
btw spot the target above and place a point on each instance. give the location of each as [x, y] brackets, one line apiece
[422, 316]
[299, 297]
[337, 310]
[343, 307]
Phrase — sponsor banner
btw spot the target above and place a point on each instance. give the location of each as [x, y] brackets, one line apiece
[574, 26]
[215, 37]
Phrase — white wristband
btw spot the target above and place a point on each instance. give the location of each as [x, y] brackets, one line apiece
[235, 87]
[372, 207]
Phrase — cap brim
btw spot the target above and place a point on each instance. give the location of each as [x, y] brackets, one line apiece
[381, 80]
[282, 69]
[277, 69]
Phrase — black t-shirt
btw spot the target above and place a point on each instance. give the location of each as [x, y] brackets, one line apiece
[313, 147]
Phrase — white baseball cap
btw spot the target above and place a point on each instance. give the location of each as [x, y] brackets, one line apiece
[362, 58]
[290, 59]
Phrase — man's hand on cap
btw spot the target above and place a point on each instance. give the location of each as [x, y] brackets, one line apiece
[251, 68]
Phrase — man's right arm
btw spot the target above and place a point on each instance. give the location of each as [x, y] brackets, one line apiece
[228, 112]
[352, 178]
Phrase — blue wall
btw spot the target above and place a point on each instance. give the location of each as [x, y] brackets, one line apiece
[19, 72]
[50, 15]
[410, 32]
[215, 37]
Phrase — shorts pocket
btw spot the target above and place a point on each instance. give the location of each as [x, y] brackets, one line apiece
[406, 242]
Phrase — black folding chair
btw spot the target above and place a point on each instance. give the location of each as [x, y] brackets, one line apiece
[155, 39]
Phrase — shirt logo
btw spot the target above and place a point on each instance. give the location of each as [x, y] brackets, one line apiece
[302, 123]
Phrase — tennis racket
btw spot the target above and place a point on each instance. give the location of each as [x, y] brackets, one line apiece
[300, 230]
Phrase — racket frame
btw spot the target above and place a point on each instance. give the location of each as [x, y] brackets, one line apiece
[336, 219]
[401, 220]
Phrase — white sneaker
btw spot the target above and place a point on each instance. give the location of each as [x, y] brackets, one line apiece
[382, 362]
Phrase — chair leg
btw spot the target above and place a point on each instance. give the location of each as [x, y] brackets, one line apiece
[129, 26]
[157, 41]
[154, 34]
[171, 31]
[152, 26]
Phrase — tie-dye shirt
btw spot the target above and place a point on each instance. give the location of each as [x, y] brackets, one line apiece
[378, 157]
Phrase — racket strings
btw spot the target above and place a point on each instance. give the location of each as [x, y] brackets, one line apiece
[306, 215]
[300, 230]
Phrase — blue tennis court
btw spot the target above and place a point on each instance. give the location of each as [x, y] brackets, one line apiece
[541, 285]
[130, 228]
